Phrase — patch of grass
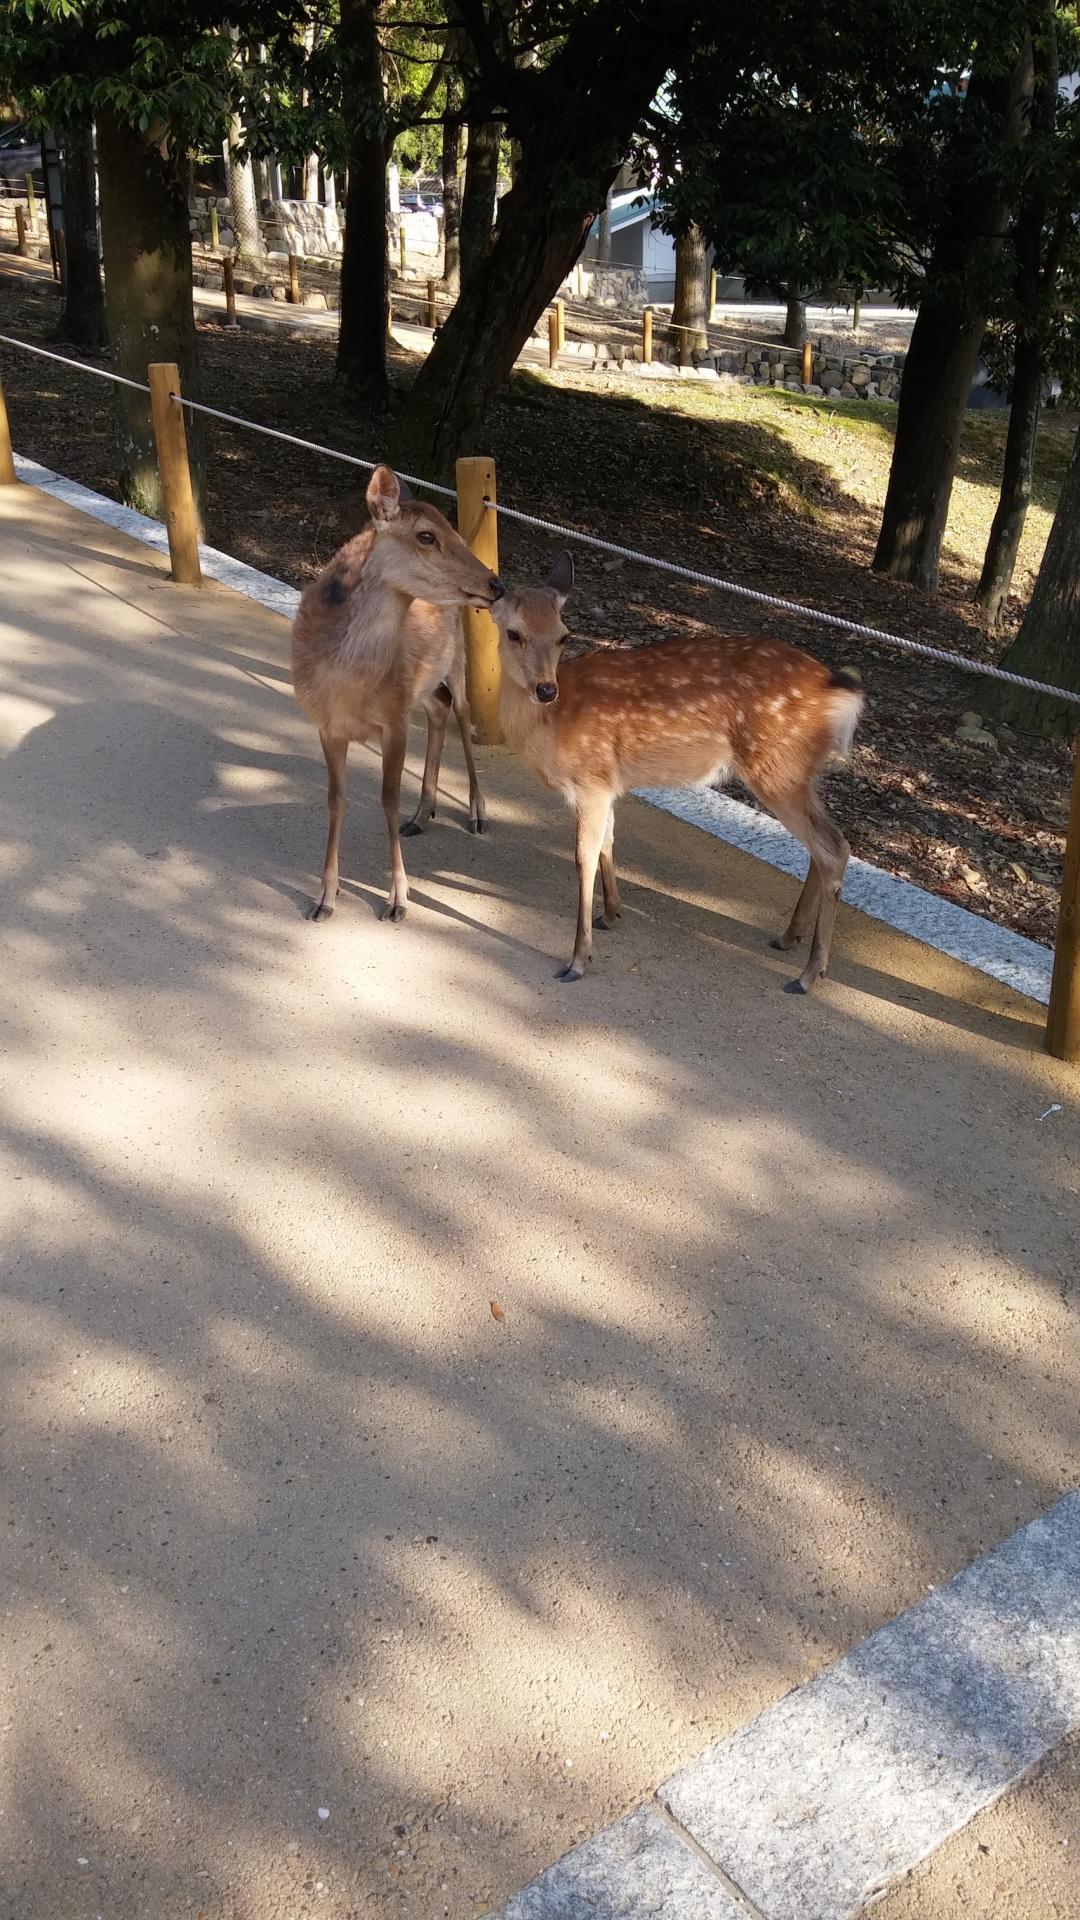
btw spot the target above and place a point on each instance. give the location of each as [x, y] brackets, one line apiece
[762, 445]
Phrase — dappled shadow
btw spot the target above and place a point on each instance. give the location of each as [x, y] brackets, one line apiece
[296, 1523]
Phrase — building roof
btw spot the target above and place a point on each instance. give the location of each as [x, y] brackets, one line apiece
[629, 210]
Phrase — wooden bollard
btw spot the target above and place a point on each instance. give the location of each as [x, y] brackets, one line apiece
[20, 232]
[712, 292]
[7, 458]
[172, 453]
[807, 363]
[229, 277]
[479, 527]
[1063, 1020]
[432, 309]
[294, 280]
[215, 232]
[560, 315]
[401, 247]
[553, 338]
[646, 336]
[31, 200]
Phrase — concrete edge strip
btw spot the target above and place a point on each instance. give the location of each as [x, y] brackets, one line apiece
[1007, 957]
[835, 1792]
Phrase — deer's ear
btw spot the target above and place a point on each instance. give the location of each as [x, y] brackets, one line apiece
[405, 492]
[561, 577]
[383, 496]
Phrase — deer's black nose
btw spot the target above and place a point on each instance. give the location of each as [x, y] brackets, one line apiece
[547, 691]
[497, 588]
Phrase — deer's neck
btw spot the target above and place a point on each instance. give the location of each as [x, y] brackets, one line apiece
[376, 615]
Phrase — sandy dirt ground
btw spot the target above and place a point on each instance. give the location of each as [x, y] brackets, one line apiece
[326, 1589]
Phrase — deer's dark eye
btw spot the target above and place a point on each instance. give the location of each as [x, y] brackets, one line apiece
[517, 638]
[426, 538]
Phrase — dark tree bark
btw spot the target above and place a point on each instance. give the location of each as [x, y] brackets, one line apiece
[948, 331]
[1047, 646]
[690, 312]
[82, 316]
[365, 272]
[795, 322]
[451, 189]
[1017, 474]
[574, 120]
[603, 237]
[147, 255]
[1033, 289]
[478, 199]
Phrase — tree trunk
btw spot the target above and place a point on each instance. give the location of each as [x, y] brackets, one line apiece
[1016, 479]
[690, 315]
[478, 198]
[1034, 287]
[451, 192]
[147, 253]
[245, 207]
[82, 317]
[795, 323]
[571, 128]
[365, 275]
[947, 334]
[1047, 646]
[603, 237]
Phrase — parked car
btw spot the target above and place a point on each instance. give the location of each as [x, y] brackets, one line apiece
[20, 154]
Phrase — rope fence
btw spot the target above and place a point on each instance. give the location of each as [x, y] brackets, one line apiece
[477, 514]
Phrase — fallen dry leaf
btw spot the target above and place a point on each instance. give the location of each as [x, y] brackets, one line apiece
[496, 1311]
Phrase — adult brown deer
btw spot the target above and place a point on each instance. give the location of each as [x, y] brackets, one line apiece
[686, 712]
[378, 633]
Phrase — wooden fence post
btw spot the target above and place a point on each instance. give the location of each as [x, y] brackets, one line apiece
[712, 292]
[475, 481]
[402, 258]
[7, 461]
[21, 243]
[560, 314]
[294, 280]
[215, 232]
[1063, 1020]
[432, 309]
[646, 336]
[228, 274]
[31, 201]
[175, 474]
[553, 338]
[807, 363]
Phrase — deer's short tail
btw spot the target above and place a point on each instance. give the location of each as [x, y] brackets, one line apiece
[847, 705]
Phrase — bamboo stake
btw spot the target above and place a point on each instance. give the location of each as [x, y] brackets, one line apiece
[475, 481]
[7, 458]
[172, 453]
[1063, 1021]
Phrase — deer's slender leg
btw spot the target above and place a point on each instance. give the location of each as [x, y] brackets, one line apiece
[592, 821]
[335, 753]
[394, 741]
[609, 880]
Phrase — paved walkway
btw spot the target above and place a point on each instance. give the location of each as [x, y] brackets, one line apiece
[327, 1590]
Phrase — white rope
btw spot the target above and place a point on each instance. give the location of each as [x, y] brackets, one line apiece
[309, 446]
[876, 634]
[80, 366]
